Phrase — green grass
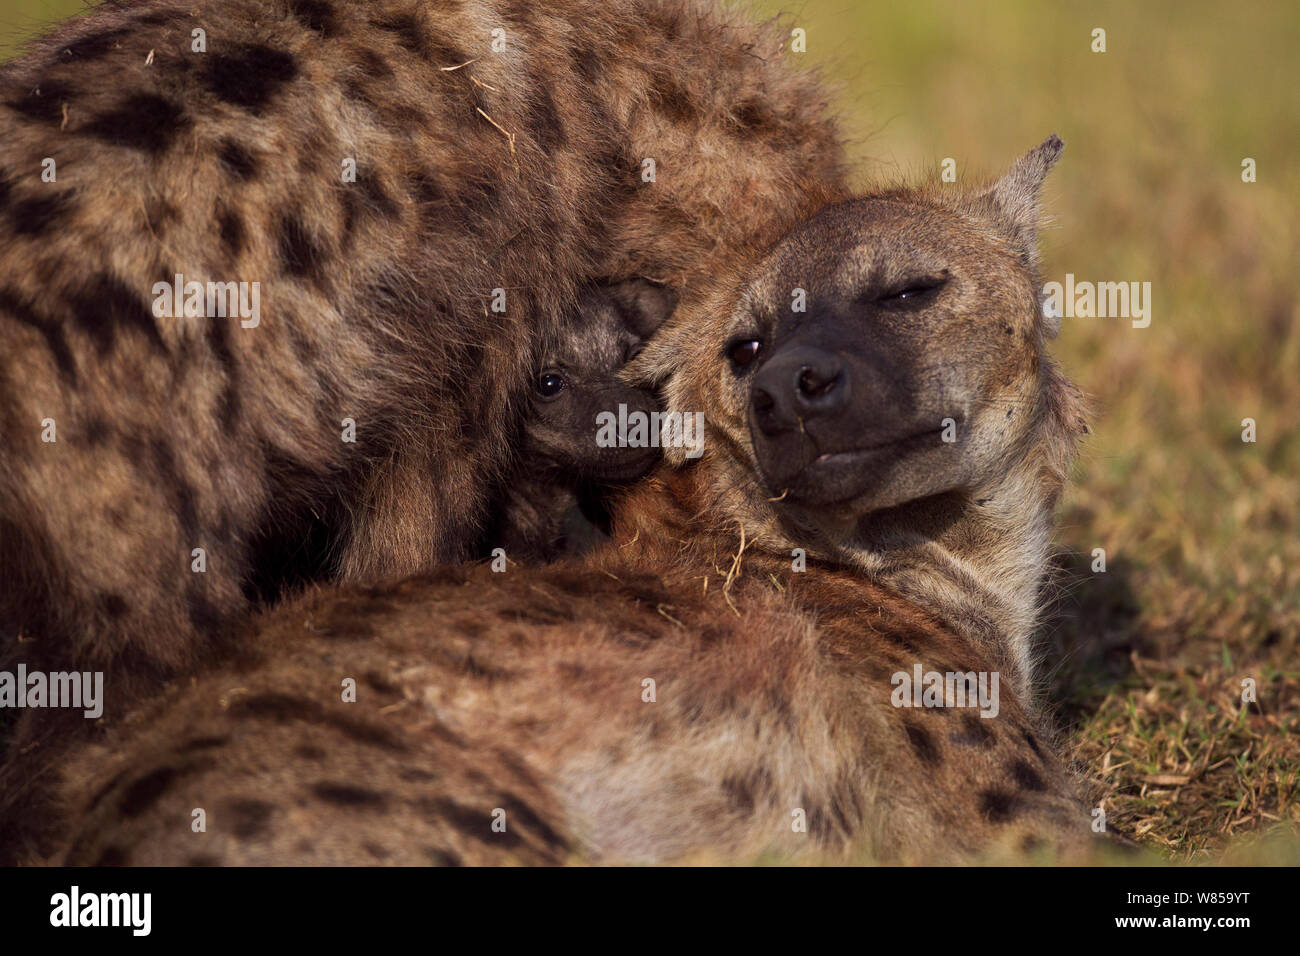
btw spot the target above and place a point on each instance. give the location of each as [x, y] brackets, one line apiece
[1146, 661]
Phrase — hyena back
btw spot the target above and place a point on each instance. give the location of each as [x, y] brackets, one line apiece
[389, 174]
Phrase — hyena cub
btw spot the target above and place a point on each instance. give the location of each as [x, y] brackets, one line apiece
[554, 503]
[734, 672]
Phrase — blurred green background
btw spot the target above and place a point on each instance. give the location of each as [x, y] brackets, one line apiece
[1202, 587]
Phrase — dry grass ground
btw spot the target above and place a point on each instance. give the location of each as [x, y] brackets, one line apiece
[1202, 587]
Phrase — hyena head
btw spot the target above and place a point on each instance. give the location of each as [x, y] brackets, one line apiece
[876, 388]
[578, 378]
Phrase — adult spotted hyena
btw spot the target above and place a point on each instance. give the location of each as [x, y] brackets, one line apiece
[694, 687]
[385, 206]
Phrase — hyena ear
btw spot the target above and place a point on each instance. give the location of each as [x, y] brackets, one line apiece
[644, 305]
[1012, 202]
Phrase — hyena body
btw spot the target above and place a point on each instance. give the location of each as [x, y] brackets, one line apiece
[390, 174]
[698, 686]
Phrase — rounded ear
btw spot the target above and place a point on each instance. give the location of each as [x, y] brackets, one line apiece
[1012, 202]
[643, 304]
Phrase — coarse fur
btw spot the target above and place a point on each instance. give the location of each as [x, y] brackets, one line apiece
[477, 169]
[697, 686]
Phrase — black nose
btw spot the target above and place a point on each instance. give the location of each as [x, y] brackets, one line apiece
[796, 385]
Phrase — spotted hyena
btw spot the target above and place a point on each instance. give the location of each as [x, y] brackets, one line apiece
[273, 272]
[729, 674]
[553, 502]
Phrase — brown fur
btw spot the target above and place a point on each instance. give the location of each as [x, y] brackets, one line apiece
[523, 692]
[475, 171]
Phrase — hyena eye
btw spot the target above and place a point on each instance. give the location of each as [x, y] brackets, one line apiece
[914, 290]
[550, 384]
[743, 353]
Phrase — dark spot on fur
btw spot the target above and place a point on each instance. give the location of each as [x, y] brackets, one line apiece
[248, 817]
[31, 217]
[231, 228]
[998, 805]
[113, 856]
[144, 793]
[373, 65]
[530, 821]
[1026, 777]
[544, 119]
[376, 851]
[416, 775]
[218, 337]
[95, 45]
[113, 606]
[740, 794]
[377, 681]
[1032, 741]
[974, 733]
[753, 115]
[671, 99]
[278, 707]
[299, 253]
[314, 15]
[922, 743]
[408, 32]
[347, 795]
[55, 340]
[587, 62]
[366, 733]
[238, 161]
[443, 857]
[97, 432]
[250, 77]
[43, 103]
[106, 305]
[376, 196]
[184, 495]
[310, 752]
[145, 121]
[205, 617]
[202, 743]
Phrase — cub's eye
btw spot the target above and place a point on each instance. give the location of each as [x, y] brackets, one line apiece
[550, 384]
[743, 353]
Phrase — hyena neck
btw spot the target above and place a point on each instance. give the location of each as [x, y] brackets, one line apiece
[974, 559]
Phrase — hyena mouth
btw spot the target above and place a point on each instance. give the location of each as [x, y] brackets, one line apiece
[895, 444]
[835, 477]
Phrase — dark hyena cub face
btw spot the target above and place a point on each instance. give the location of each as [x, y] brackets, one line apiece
[554, 503]
[578, 380]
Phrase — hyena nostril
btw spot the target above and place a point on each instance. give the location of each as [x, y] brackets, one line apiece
[814, 383]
